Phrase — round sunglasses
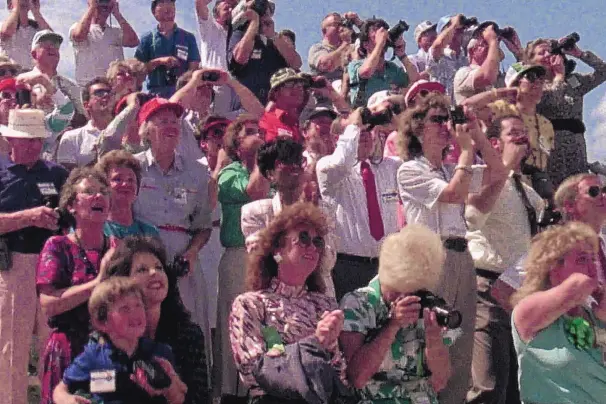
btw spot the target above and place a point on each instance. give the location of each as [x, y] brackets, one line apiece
[306, 240]
[594, 191]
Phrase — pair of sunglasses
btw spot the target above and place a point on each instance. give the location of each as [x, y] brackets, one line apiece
[532, 76]
[594, 191]
[439, 119]
[101, 92]
[306, 240]
[8, 72]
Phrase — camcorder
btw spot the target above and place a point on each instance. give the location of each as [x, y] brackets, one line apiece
[468, 22]
[171, 77]
[66, 220]
[261, 7]
[211, 76]
[179, 266]
[446, 315]
[153, 372]
[457, 115]
[396, 31]
[506, 33]
[568, 43]
[314, 81]
[380, 118]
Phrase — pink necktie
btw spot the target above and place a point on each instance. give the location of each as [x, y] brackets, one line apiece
[374, 212]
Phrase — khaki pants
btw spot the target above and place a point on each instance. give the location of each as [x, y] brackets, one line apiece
[458, 287]
[19, 317]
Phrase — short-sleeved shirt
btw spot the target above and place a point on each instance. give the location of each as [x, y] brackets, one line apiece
[181, 44]
[419, 60]
[444, 69]
[79, 146]
[18, 47]
[22, 189]
[137, 228]
[403, 370]
[101, 355]
[264, 61]
[540, 131]
[213, 44]
[177, 198]
[96, 52]
[277, 122]
[463, 83]
[318, 50]
[392, 77]
[232, 183]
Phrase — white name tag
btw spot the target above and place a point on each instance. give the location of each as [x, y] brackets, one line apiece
[103, 381]
[180, 195]
[182, 53]
[47, 189]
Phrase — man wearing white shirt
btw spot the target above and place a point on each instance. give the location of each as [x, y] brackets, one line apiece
[78, 147]
[425, 35]
[364, 190]
[501, 220]
[95, 43]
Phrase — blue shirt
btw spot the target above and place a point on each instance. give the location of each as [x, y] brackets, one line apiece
[181, 44]
[22, 189]
[100, 354]
[137, 228]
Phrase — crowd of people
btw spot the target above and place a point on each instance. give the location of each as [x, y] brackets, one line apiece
[205, 222]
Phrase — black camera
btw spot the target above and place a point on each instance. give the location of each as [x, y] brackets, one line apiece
[568, 43]
[211, 76]
[318, 82]
[506, 33]
[457, 115]
[381, 118]
[549, 217]
[397, 30]
[179, 267]
[170, 77]
[153, 372]
[260, 7]
[446, 315]
[540, 180]
[468, 22]
[349, 24]
[23, 97]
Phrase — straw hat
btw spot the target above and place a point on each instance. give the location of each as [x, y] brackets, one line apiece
[25, 124]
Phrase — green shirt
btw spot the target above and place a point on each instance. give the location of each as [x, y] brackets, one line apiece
[393, 77]
[403, 372]
[232, 183]
[553, 370]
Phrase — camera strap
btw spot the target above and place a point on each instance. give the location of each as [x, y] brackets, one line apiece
[531, 213]
[361, 94]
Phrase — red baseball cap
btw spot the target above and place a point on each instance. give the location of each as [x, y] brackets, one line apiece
[157, 104]
[211, 123]
[8, 84]
[420, 85]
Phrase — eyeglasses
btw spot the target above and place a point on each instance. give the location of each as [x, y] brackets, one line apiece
[594, 191]
[293, 84]
[217, 132]
[254, 132]
[124, 73]
[101, 92]
[532, 76]
[439, 119]
[93, 192]
[8, 95]
[8, 72]
[306, 240]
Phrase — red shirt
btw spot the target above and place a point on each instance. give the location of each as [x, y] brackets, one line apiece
[277, 122]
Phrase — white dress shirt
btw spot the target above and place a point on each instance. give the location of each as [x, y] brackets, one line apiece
[420, 186]
[341, 185]
[499, 238]
[78, 146]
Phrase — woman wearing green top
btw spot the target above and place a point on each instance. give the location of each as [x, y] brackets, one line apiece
[239, 181]
[558, 328]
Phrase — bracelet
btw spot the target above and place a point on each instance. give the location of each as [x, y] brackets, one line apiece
[467, 169]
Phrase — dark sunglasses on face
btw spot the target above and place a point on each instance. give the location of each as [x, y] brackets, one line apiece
[218, 132]
[101, 92]
[594, 191]
[306, 240]
[532, 76]
[439, 119]
[124, 73]
[8, 72]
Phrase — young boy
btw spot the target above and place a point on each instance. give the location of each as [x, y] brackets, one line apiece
[106, 371]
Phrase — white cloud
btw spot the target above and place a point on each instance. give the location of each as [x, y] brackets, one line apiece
[596, 138]
[61, 14]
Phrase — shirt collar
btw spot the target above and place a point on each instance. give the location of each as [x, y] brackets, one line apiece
[36, 167]
[285, 117]
[177, 164]
[157, 29]
[276, 204]
[285, 290]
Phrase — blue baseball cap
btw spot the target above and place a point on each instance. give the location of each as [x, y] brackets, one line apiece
[443, 22]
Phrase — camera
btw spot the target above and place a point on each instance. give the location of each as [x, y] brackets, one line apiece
[457, 115]
[380, 118]
[318, 82]
[153, 372]
[23, 96]
[179, 267]
[446, 315]
[211, 76]
[506, 33]
[170, 77]
[468, 22]
[397, 30]
[568, 43]
[540, 180]
[549, 217]
[260, 7]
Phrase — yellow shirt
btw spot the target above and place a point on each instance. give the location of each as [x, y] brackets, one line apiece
[540, 131]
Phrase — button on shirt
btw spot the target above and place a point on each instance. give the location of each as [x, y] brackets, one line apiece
[79, 146]
[444, 70]
[19, 190]
[178, 198]
[96, 52]
[277, 122]
[420, 186]
[341, 185]
[497, 239]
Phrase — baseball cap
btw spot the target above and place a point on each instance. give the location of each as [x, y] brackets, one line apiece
[46, 35]
[312, 113]
[379, 97]
[422, 28]
[420, 85]
[215, 121]
[8, 84]
[443, 22]
[157, 104]
[517, 70]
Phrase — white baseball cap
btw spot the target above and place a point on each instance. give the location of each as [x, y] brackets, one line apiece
[422, 28]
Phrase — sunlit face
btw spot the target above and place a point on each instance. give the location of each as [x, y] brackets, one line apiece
[301, 251]
[291, 94]
[319, 132]
[25, 151]
[164, 130]
[100, 99]
[513, 133]
[582, 260]
[223, 12]
[250, 139]
[436, 130]
[531, 86]
[47, 54]
[366, 144]
[165, 11]
[124, 81]
[331, 26]
[92, 202]
[148, 272]
[287, 176]
[541, 55]
[125, 319]
[587, 207]
[123, 184]
[427, 39]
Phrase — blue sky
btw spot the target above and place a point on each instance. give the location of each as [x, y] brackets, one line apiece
[532, 18]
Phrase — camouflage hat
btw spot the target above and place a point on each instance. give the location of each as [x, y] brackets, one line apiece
[282, 76]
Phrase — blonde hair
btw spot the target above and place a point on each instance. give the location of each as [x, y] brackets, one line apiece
[411, 260]
[109, 292]
[567, 192]
[546, 252]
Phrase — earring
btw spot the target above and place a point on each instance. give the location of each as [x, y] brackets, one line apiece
[277, 258]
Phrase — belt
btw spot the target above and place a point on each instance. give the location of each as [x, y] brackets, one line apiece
[571, 125]
[484, 273]
[458, 244]
[177, 229]
[216, 223]
[356, 258]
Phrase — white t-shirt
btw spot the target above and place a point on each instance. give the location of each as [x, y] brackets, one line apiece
[213, 44]
[93, 56]
[18, 47]
[78, 146]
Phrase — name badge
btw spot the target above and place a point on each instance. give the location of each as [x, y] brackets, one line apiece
[180, 195]
[390, 196]
[103, 381]
[47, 189]
[573, 81]
[256, 54]
[182, 52]
[148, 183]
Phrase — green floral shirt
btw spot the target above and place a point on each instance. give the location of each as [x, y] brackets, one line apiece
[403, 377]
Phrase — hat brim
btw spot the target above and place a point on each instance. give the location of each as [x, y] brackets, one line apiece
[433, 27]
[176, 108]
[432, 86]
[5, 131]
[481, 28]
[214, 124]
[536, 68]
[318, 113]
[282, 82]
[51, 37]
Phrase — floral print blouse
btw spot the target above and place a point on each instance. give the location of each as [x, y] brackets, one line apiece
[292, 310]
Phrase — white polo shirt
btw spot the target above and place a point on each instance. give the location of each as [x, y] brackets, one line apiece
[341, 185]
[18, 47]
[213, 44]
[93, 55]
[78, 146]
[420, 186]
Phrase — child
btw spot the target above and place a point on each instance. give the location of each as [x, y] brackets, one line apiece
[105, 372]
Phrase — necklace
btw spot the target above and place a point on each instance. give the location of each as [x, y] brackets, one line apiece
[90, 268]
